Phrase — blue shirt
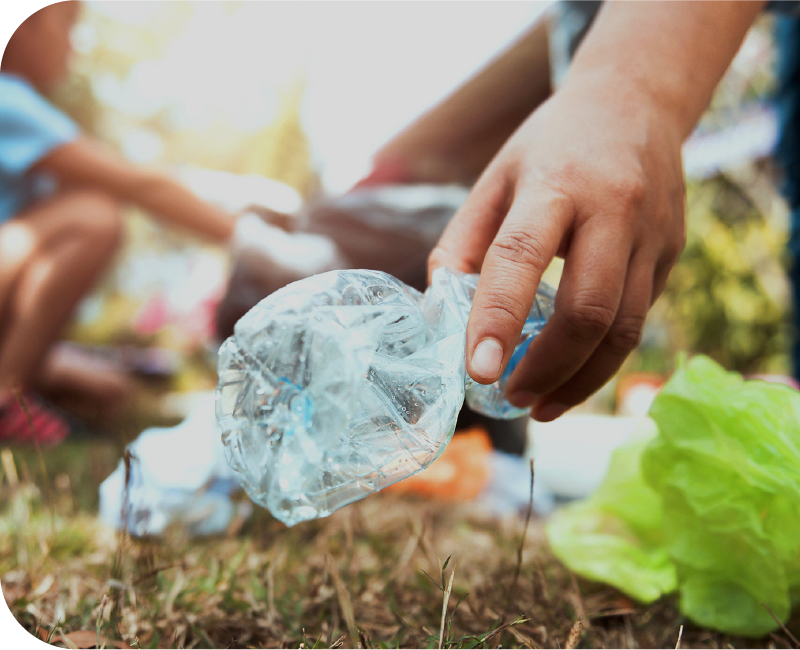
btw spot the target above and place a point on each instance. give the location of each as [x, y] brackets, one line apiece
[30, 127]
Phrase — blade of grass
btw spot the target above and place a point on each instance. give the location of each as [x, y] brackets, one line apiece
[345, 603]
[123, 538]
[436, 584]
[574, 635]
[339, 643]
[445, 600]
[783, 627]
[407, 626]
[483, 638]
[10, 469]
[52, 632]
[99, 620]
[50, 502]
[524, 534]
[777, 638]
[444, 566]
[453, 613]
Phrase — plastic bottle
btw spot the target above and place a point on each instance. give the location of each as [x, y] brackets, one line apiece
[343, 383]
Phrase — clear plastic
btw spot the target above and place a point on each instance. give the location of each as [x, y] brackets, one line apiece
[341, 384]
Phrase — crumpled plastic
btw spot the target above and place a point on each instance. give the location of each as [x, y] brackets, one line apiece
[341, 384]
[177, 475]
[707, 505]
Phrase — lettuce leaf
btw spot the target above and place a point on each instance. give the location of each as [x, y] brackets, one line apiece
[713, 497]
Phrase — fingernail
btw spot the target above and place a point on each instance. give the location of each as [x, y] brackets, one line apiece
[487, 358]
[523, 398]
[550, 412]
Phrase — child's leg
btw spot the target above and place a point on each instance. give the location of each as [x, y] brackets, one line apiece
[50, 256]
[84, 384]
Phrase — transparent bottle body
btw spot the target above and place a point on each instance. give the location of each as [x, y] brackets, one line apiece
[341, 384]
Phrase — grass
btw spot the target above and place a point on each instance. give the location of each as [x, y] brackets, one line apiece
[386, 572]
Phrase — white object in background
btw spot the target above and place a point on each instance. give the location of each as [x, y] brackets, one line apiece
[753, 137]
[238, 192]
[177, 474]
[638, 399]
[271, 251]
[508, 491]
[572, 453]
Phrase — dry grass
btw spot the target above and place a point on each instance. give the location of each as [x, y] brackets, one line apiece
[387, 572]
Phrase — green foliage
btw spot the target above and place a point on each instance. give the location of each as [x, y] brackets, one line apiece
[281, 149]
[727, 296]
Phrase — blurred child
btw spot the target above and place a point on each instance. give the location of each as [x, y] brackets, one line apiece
[60, 223]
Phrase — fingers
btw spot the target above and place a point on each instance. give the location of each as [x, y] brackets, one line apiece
[463, 244]
[646, 277]
[512, 268]
[622, 337]
[587, 305]
[606, 290]
[665, 264]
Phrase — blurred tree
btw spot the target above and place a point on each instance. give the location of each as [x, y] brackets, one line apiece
[728, 295]
[106, 47]
[77, 99]
[281, 149]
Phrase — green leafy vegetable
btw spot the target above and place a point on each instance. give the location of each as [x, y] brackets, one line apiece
[709, 505]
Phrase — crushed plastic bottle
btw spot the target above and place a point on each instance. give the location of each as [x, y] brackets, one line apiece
[341, 384]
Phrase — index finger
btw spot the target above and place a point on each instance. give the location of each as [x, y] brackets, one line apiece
[466, 238]
[526, 243]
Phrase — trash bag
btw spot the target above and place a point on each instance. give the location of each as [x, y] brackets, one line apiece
[709, 505]
[388, 228]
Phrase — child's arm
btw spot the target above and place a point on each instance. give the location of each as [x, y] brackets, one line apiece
[83, 162]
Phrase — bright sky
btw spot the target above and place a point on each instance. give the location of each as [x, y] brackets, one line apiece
[371, 67]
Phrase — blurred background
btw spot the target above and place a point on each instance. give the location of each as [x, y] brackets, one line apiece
[299, 93]
[304, 93]
[277, 104]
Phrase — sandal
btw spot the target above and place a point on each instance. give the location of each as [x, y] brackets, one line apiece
[41, 423]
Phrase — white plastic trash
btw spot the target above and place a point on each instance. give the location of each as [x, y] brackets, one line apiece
[177, 475]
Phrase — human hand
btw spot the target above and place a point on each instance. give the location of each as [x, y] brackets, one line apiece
[593, 176]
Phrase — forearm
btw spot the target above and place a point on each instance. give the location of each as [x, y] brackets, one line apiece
[456, 139]
[172, 203]
[83, 163]
[672, 54]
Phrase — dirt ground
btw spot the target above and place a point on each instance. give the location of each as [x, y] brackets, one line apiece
[390, 571]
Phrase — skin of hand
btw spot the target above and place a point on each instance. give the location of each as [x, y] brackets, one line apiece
[594, 175]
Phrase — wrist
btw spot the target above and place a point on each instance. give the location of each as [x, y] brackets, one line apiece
[670, 55]
[635, 101]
